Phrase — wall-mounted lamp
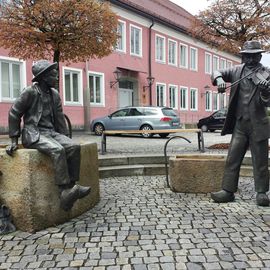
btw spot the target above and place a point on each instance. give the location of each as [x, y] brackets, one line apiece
[206, 88]
[150, 81]
[116, 74]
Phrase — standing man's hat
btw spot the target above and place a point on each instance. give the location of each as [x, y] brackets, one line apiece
[40, 67]
[252, 46]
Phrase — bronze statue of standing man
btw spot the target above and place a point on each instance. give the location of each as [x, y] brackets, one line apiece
[45, 130]
[247, 120]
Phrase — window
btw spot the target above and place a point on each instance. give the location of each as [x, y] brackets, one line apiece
[193, 99]
[161, 95]
[135, 40]
[183, 56]
[193, 59]
[215, 101]
[222, 63]
[73, 86]
[229, 64]
[172, 52]
[160, 49]
[173, 96]
[222, 100]
[11, 79]
[96, 85]
[215, 63]
[183, 98]
[121, 31]
[208, 101]
[208, 63]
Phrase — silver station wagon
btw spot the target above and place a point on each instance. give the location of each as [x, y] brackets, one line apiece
[138, 118]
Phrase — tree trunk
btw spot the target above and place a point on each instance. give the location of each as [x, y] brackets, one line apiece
[56, 57]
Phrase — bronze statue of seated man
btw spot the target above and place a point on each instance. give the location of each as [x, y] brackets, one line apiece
[45, 130]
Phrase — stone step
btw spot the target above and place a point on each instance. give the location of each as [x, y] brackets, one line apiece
[149, 169]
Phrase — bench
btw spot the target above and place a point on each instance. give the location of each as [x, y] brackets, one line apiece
[156, 131]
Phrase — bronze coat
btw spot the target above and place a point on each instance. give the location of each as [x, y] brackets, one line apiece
[257, 104]
[29, 106]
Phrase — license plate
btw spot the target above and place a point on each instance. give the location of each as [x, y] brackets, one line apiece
[175, 124]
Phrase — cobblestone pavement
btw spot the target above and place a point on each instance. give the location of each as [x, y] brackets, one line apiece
[140, 224]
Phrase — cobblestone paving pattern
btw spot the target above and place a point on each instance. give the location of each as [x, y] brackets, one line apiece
[140, 224]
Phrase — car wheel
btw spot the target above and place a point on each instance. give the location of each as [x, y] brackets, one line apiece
[164, 135]
[204, 128]
[99, 128]
[146, 128]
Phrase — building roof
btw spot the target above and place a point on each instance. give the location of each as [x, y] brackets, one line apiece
[162, 10]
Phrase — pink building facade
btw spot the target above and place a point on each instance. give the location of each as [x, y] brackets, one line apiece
[153, 44]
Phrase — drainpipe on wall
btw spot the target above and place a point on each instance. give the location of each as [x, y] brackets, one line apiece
[86, 101]
[150, 60]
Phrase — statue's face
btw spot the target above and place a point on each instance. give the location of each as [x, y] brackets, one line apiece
[251, 59]
[51, 77]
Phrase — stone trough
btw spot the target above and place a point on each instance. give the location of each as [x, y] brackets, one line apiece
[191, 173]
[28, 189]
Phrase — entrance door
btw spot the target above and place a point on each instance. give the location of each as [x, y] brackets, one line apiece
[125, 97]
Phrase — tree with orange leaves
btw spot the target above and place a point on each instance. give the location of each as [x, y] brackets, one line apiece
[227, 24]
[68, 30]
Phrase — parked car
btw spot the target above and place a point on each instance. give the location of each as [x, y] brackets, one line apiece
[138, 118]
[213, 122]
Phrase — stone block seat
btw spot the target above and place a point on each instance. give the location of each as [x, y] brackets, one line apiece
[28, 189]
[191, 173]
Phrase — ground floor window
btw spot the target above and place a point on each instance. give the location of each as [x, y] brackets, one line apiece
[208, 101]
[193, 99]
[215, 101]
[183, 98]
[73, 86]
[96, 85]
[11, 79]
[173, 96]
[222, 101]
[161, 95]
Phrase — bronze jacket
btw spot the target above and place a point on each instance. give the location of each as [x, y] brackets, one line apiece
[29, 106]
[257, 104]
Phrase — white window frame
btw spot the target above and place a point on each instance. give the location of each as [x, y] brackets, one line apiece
[208, 69]
[123, 35]
[160, 55]
[158, 97]
[209, 92]
[229, 64]
[140, 41]
[215, 57]
[194, 90]
[171, 41]
[222, 60]
[80, 86]
[185, 88]
[215, 108]
[186, 56]
[195, 50]
[22, 64]
[175, 95]
[102, 88]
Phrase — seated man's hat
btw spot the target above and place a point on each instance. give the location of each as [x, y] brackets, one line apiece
[41, 67]
[252, 46]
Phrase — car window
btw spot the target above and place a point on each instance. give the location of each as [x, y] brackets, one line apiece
[169, 112]
[219, 114]
[120, 113]
[135, 112]
[150, 111]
